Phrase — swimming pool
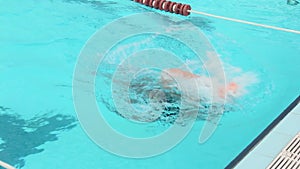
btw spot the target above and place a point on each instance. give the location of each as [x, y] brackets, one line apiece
[40, 43]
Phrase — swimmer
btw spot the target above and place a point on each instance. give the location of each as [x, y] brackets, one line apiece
[178, 73]
[169, 75]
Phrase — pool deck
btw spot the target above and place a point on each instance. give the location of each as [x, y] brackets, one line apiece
[271, 142]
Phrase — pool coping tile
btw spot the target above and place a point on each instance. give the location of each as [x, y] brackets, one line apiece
[273, 143]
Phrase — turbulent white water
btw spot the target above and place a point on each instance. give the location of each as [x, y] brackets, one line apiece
[157, 94]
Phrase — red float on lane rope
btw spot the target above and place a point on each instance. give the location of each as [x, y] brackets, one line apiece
[168, 6]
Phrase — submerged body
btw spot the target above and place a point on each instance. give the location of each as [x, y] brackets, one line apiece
[176, 75]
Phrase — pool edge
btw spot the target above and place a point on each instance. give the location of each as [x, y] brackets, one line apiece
[264, 133]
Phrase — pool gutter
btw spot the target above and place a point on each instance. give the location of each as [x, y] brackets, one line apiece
[262, 135]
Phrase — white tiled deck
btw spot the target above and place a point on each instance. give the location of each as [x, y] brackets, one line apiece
[267, 150]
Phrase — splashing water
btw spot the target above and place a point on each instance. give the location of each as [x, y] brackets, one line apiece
[156, 95]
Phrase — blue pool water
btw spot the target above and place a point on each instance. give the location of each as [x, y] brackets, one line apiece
[39, 45]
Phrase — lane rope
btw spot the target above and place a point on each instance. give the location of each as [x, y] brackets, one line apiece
[245, 22]
[185, 10]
